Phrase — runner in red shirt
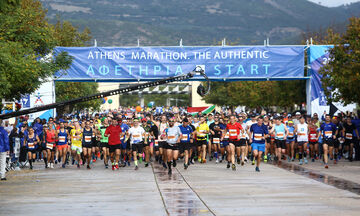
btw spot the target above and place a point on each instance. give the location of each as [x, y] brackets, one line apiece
[114, 133]
[234, 128]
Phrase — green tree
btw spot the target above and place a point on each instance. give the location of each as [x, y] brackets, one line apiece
[26, 38]
[341, 76]
[68, 35]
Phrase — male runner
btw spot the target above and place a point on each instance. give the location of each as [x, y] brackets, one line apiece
[329, 132]
[258, 133]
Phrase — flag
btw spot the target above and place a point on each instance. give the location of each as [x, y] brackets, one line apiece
[333, 109]
[203, 110]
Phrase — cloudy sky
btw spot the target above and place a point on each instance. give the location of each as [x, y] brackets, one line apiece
[333, 3]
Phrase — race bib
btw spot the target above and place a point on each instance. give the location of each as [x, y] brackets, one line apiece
[280, 135]
[328, 134]
[62, 139]
[87, 138]
[233, 132]
[257, 137]
[227, 135]
[291, 134]
[49, 145]
[184, 137]
[216, 140]
[348, 136]
[156, 143]
[313, 136]
[31, 145]
[302, 134]
[171, 137]
[136, 136]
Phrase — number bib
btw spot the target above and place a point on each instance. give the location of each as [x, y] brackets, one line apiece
[257, 137]
[216, 140]
[62, 139]
[184, 137]
[49, 145]
[348, 136]
[31, 145]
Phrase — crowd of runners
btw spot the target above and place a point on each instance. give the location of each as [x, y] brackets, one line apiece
[120, 139]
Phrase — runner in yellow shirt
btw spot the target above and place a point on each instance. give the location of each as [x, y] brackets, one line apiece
[76, 142]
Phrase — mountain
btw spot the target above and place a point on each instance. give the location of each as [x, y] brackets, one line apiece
[197, 22]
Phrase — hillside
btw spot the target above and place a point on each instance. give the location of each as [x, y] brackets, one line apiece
[197, 22]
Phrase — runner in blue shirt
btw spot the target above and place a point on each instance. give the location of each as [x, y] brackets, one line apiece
[258, 133]
[186, 134]
[329, 132]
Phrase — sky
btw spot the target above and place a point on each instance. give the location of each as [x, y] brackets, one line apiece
[333, 3]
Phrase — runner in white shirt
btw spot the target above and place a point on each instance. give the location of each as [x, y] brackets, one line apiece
[137, 134]
[302, 133]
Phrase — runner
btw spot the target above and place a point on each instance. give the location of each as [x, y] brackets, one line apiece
[162, 125]
[186, 134]
[290, 141]
[87, 142]
[201, 135]
[281, 132]
[313, 140]
[76, 142]
[124, 157]
[114, 133]
[172, 135]
[49, 141]
[147, 141]
[104, 142]
[234, 128]
[215, 131]
[137, 135]
[62, 144]
[267, 153]
[329, 132]
[31, 141]
[349, 130]
[241, 150]
[302, 133]
[258, 134]
[339, 139]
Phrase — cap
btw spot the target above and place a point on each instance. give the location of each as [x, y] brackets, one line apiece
[143, 120]
[290, 122]
[297, 113]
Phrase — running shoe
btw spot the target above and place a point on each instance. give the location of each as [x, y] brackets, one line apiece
[56, 161]
[204, 161]
[253, 162]
[63, 166]
[217, 160]
[326, 166]
[306, 161]
[185, 166]
[257, 169]
[88, 167]
[265, 159]
[73, 162]
[246, 159]
[136, 167]
[192, 161]
[174, 163]
[78, 166]
[233, 167]
[242, 163]
[228, 165]
[113, 167]
[199, 160]
[94, 160]
[292, 159]
[301, 162]
[106, 166]
[238, 160]
[146, 164]
[117, 166]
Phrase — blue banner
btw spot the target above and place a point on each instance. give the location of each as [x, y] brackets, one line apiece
[109, 64]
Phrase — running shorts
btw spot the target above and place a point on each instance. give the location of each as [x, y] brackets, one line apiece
[77, 149]
[112, 148]
[162, 144]
[172, 146]
[61, 147]
[301, 143]
[137, 147]
[184, 146]
[257, 146]
[280, 144]
[87, 145]
[104, 145]
[201, 142]
[312, 142]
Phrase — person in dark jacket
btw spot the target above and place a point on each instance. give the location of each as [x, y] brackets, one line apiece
[4, 150]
